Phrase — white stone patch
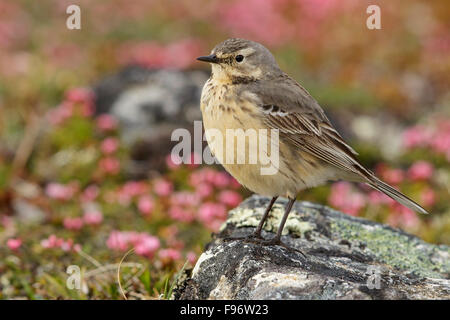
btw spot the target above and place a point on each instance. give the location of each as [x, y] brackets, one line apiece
[245, 217]
[274, 279]
[223, 290]
[208, 255]
[297, 227]
[369, 227]
[205, 256]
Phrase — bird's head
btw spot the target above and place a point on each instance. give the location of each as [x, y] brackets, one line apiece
[239, 60]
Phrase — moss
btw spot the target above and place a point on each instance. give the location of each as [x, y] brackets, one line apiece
[387, 245]
[396, 248]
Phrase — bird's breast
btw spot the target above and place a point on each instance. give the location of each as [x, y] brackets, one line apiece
[224, 107]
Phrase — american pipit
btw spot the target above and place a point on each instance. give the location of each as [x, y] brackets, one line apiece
[247, 89]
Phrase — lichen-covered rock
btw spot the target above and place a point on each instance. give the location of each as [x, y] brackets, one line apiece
[346, 258]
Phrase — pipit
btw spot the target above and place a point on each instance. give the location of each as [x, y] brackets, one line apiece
[248, 90]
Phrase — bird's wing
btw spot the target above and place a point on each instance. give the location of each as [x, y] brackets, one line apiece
[288, 107]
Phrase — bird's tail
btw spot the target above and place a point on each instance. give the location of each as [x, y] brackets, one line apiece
[381, 186]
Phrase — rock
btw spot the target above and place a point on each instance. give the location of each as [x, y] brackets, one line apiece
[346, 258]
[149, 105]
[140, 97]
[27, 213]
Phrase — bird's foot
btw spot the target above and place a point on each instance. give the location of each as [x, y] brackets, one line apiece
[277, 242]
[256, 238]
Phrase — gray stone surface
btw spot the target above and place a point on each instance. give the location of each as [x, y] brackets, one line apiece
[346, 258]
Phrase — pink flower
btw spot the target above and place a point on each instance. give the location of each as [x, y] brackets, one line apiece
[143, 243]
[191, 257]
[214, 225]
[428, 197]
[53, 242]
[221, 179]
[90, 193]
[170, 254]
[421, 170]
[134, 188]
[265, 22]
[203, 190]
[184, 198]
[14, 243]
[110, 165]
[173, 161]
[146, 205]
[354, 204]
[402, 216]
[234, 183]
[59, 191]
[163, 187]
[409, 217]
[85, 97]
[210, 211]
[393, 176]
[118, 240]
[202, 175]
[230, 198]
[338, 194]
[182, 52]
[376, 198]
[415, 136]
[80, 95]
[106, 122]
[73, 223]
[66, 245]
[440, 141]
[147, 246]
[180, 214]
[179, 55]
[109, 145]
[344, 198]
[93, 217]
[61, 113]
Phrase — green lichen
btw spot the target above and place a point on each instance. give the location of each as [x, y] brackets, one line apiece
[245, 217]
[386, 245]
[395, 248]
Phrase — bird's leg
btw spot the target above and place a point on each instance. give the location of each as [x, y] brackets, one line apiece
[257, 233]
[287, 210]
[277, 239]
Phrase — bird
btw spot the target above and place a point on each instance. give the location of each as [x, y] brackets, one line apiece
[248, 90]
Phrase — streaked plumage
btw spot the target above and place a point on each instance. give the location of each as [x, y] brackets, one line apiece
[255, 93]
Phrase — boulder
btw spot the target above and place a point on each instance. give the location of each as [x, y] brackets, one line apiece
[345, 258]
[150, 104]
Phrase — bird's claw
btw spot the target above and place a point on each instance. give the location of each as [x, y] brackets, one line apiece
[258, 239]
[278, 242]
[252, 238]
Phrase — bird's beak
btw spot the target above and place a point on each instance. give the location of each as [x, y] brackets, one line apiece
[212, 58]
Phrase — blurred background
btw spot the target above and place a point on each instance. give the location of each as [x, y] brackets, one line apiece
[86, 117]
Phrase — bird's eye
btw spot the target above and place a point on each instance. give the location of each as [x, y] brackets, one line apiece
[239, 58]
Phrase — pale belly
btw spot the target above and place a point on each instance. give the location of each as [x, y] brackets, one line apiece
[276, 170]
